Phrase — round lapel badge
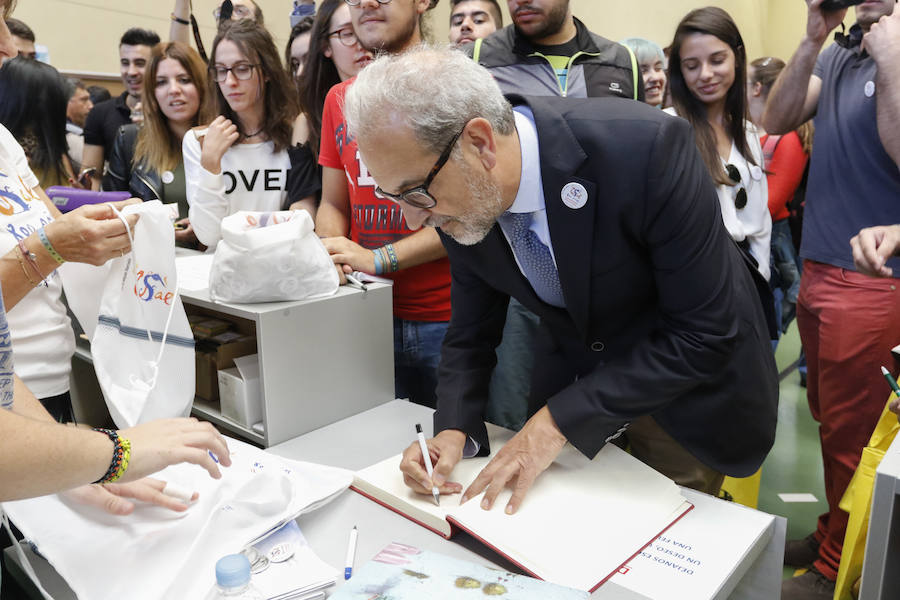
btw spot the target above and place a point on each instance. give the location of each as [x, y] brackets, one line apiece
[756, 172]
[870, 89]
[574, 195]
[168, 177]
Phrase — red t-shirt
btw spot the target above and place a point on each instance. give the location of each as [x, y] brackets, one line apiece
[421, 293]
[785, 169]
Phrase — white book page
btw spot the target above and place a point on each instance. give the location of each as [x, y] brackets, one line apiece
[384, 481]
[582, 519]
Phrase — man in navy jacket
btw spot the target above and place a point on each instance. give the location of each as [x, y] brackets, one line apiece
[649, 312]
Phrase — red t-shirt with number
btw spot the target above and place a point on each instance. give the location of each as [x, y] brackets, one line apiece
[421, 293]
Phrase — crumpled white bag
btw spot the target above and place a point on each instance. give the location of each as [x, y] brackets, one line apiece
[270, 257]
[155, 553]
[141, 342]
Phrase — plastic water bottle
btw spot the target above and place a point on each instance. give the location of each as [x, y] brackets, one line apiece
[233, 579]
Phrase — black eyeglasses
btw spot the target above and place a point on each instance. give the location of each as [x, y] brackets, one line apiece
[418, 197]
[242, 72]
[740, 198]
[345, 35]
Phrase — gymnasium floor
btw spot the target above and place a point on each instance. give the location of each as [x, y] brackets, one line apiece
[795, 463]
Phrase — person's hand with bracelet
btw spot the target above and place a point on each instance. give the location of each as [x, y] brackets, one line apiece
[90, 234]
[150, 447]
[353, 257]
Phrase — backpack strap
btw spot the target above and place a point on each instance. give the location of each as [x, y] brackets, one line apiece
[476, 50]
[769, 147]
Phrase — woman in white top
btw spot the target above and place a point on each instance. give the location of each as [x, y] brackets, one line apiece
[240, 161]
[37, 456]
[708, 79]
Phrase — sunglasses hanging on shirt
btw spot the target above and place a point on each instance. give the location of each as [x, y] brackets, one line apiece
[740, 198]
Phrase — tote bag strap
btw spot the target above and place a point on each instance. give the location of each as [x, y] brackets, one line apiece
[25, 564]
[137, 382]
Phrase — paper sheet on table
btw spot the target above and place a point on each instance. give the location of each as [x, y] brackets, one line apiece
[193, 271]
[156, 553]
[301, 574]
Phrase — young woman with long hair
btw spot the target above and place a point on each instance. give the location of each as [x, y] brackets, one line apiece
[33, 100]
[147, 160]
[241, 160]
[708, 80]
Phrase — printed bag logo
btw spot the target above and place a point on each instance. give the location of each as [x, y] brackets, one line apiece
[152, 286]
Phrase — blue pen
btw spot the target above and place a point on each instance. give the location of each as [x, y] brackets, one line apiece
[351, 553]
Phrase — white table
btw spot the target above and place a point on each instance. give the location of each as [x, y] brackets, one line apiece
[371, 436]
[381, 432]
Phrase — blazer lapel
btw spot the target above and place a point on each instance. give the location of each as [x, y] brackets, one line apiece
[571, 208]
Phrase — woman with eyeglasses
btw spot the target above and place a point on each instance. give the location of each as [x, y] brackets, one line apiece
[708, 80]
[146, 160]
[335, 55]
[242, 159]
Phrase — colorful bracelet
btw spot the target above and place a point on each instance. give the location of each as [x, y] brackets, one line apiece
[379, 264]
[121, 456]
[179, 20]
[395, 264]
[46, 242]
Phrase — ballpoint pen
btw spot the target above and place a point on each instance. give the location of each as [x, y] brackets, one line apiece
[427, 460]
[891, 381]
[351, 553]
[356, 282]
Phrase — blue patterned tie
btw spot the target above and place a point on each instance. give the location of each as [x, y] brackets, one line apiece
[534, 257]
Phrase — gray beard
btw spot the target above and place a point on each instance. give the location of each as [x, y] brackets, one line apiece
[486, 205]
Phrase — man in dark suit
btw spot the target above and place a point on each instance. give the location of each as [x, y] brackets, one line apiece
[599, 216]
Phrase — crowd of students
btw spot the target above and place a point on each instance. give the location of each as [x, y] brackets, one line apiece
[243, 129]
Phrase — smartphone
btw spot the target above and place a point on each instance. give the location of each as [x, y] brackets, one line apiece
[86, 176]
[832, 5]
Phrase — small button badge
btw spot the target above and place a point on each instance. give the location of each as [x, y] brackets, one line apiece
[756, 172]
[870, 89]
[167, 177]
[574, 195]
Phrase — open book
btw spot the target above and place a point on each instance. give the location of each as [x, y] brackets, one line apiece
[579, 523]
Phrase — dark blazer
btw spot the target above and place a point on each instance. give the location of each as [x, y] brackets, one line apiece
[662, 314]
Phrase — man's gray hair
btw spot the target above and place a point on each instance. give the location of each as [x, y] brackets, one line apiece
[433, 90]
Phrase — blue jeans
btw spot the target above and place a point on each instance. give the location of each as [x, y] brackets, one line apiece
[417, 352]
[786, 268]
[511, 380]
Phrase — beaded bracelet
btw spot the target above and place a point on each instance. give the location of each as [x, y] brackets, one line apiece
[379, 264]
[46, 242]
[121, 456]
[395, 264]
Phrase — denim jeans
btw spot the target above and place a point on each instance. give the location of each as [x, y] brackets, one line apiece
[417, 352]
[511, 380]
[785, 267]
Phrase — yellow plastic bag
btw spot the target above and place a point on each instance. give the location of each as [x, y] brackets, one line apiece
[744, 490]
[857, 501]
